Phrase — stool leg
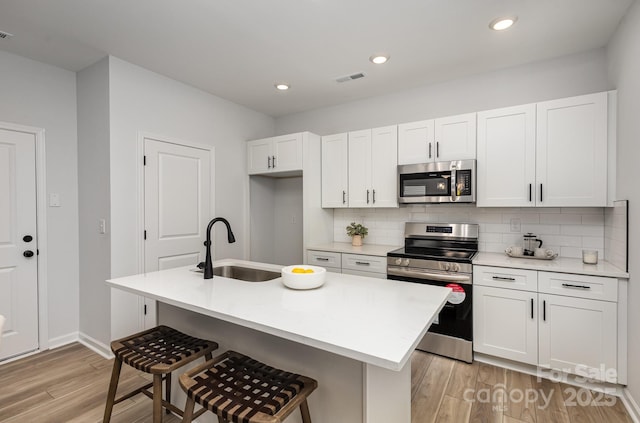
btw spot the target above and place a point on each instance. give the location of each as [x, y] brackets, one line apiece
[113, 386]
[304, 410]
[188, 410]
[167, 389]
[157, 398]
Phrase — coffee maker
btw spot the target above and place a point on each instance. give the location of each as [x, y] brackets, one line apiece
[531, 243]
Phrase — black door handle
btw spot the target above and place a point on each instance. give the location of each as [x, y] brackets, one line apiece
[27, 238]
[28, 254]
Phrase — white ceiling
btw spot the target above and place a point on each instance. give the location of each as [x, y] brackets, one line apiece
[238, 49]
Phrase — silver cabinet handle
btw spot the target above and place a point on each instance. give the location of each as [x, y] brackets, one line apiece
[367, 196]
[344, 197]
[268, 162]
[322, 259]
[273, 158]
[374, 196]
[500, 278]
[362, 263]
[570, 285]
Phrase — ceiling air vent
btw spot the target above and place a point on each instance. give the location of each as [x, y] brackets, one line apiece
[4, 35]
[350, 77]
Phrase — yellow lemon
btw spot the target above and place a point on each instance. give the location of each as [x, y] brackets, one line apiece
[308, 271]
[297, 270]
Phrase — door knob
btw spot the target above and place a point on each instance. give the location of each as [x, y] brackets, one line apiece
[28, 254]
[27, 238]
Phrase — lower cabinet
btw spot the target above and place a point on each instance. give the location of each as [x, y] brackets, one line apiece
[523, 322]
[352, 264]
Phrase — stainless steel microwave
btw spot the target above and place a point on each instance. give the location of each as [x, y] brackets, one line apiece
[439, 182]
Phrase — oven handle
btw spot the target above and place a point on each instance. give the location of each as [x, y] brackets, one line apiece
[418, 274]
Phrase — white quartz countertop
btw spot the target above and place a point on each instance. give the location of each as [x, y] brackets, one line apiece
[376, 321]
[346, 247]
[560, 265]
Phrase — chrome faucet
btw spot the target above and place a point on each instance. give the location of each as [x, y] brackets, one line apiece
[208, 266]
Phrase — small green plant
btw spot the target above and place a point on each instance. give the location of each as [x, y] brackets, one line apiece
[357, 229]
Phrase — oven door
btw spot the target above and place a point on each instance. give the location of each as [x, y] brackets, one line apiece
[425, 186]
[456, 317]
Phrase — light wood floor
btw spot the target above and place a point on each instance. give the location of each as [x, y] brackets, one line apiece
[69, 385]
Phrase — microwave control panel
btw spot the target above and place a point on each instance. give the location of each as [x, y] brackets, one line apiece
[463, 182]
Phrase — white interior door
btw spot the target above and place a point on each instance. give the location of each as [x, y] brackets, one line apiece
[18, 269]
[177, 198]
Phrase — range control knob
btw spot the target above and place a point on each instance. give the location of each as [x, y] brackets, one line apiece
[446, 266]
[405, 262]
[398, 261]
[455, 267]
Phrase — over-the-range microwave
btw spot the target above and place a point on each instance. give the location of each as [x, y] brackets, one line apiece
[438, 182]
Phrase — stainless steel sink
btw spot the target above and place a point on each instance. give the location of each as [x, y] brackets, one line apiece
[245, 273]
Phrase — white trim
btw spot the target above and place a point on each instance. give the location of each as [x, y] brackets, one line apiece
[631, 405]
[18, 357]
[63, 340]
[95, 346]
[41, 228]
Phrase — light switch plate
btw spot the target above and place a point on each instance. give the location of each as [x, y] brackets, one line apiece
[515, 225]
[54, 200]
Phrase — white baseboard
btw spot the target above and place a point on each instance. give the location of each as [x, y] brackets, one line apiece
[631, 405]
[63, 340]
[95, 346]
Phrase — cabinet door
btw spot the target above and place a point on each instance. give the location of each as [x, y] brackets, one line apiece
[360, 168]
[505, 323]
[571, 152]
[384, 166]
[415, 142]
[578, 336]
[259, 156]
[334, 171]
[455, 138]
[506, 157]
[287, 153]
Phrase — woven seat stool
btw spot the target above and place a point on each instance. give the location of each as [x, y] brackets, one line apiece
[239, 389]
[157, 351]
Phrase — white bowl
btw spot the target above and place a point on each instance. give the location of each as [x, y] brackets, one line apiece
[303, 280]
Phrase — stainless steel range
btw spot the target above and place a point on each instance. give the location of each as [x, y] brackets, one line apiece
[440, 254]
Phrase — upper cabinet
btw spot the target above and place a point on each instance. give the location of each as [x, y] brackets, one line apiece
[551, 154]
[443, 139]
[335, 188]
[275, 154]
[372, 167]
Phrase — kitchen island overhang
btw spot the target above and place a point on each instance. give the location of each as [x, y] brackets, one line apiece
[374, 322]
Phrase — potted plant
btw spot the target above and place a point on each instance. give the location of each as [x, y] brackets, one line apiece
[357, 232]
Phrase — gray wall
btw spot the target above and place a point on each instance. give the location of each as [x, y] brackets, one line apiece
[571, 75]
[35, 94]
[93, 192]
[624, 71]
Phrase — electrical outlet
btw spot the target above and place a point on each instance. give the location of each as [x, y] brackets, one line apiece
[102, 226]
[515, 224]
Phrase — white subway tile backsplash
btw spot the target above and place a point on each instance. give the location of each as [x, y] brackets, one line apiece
[564, 230]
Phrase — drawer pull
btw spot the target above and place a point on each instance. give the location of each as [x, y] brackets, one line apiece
[500, 278]
[570, 285]
[363, 263]
[322, 259]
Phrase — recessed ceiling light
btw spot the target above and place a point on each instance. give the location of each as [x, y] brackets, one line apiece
[379, 59]
[282, 87]
[500, 24]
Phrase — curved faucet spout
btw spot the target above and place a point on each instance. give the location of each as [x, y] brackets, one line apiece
[208, 266]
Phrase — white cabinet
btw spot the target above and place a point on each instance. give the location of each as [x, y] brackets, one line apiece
[335, 188]
[443, 139]
[275, 154]
[372, 167]
[550, 154]
[558, 321]
[571, 151]
[348, 263]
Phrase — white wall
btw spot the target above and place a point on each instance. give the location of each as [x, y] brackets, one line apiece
[624, 70]
[93, 193]
[44, 96]
[571, 75]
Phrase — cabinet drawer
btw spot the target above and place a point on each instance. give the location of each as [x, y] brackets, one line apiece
[363, 263]
[324, 258]
[581, 286]
[502, 277]
[367, 274]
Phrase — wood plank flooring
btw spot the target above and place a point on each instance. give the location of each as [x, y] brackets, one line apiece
[70, 384]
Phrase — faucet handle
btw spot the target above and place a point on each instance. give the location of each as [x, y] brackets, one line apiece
[200, 265]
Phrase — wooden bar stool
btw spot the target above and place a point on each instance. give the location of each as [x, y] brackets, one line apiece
[240, 389]
[158, 351]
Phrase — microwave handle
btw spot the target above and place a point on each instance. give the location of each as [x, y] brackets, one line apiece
[454, 191]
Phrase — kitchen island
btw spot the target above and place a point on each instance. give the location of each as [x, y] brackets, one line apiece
[354, 335]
